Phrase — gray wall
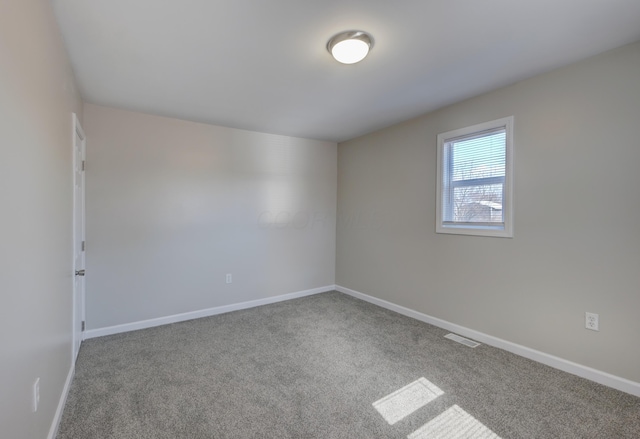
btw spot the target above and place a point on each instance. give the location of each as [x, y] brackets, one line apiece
[37, 98]
[172, 206]
[577, 216]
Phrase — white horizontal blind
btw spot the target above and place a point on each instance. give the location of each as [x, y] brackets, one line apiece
[474, 179]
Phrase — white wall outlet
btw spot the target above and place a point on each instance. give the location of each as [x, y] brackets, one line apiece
[229, 278]
[35, 395]
[591, 321]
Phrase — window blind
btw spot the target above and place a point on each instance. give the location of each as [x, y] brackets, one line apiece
[474, 178]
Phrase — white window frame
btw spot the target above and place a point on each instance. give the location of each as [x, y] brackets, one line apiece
[505, 231]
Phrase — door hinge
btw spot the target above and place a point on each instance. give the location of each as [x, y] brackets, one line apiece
[83, 325]
[83, 165]
[83, 245]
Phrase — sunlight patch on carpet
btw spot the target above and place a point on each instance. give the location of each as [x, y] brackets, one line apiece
[407, 400]
[454, 423]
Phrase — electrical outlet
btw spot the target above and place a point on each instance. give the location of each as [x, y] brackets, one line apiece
[36, 395]
[229, 278]
[591, 321]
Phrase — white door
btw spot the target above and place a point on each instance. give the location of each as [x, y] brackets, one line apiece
[79, 146]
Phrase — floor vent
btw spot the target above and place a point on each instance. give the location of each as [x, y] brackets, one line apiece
[464, 341]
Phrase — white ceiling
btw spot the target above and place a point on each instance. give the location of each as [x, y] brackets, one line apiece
[262, 65]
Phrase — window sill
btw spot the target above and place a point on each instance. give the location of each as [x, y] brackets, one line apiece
[496, 232]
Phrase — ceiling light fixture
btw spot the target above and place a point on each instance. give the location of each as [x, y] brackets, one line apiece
[350, 47]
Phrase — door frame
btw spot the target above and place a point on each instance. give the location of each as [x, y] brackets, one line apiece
[78, 133]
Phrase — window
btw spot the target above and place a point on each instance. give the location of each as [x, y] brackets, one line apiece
[475, 180]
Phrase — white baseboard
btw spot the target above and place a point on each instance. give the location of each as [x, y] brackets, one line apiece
[589, 373]
[55, 424]
[100, 332]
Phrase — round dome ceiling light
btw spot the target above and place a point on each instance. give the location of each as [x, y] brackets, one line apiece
[350, 47]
